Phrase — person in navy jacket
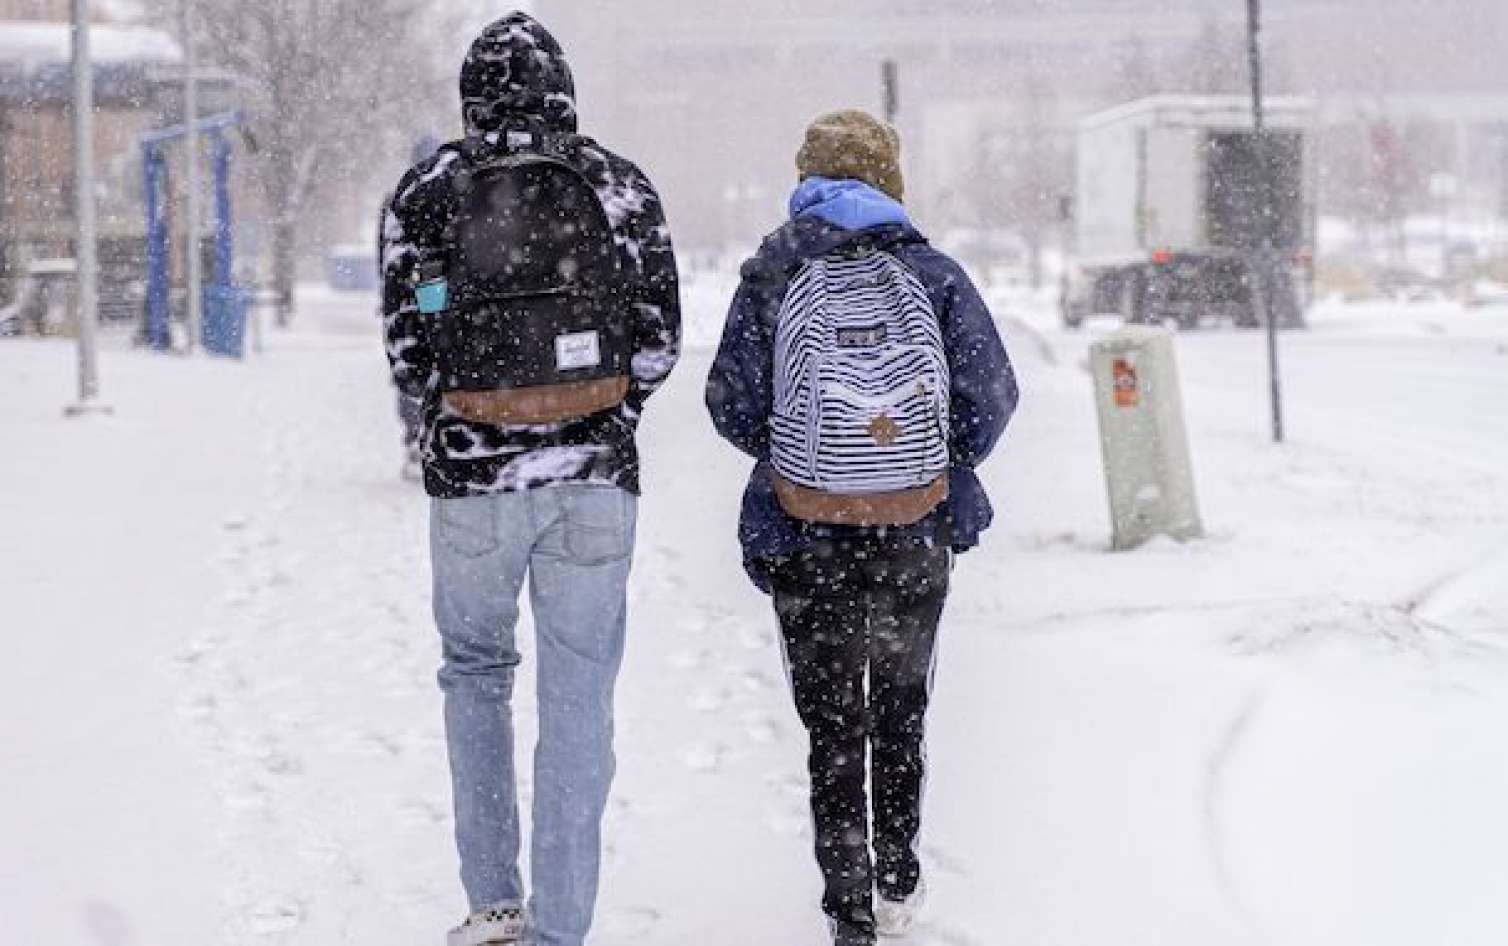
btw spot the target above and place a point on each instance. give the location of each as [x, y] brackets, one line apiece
[856, 603]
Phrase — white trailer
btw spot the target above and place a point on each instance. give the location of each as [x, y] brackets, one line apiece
[1166, 210]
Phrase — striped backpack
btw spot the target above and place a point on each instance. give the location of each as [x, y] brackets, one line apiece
[860, 426]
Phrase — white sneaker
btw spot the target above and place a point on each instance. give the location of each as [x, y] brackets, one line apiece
[897, 917]
[500, 925]
[413, 467]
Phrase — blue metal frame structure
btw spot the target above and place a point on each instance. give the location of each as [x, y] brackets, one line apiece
[222, 301]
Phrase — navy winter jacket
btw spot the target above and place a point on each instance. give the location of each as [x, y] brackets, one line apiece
[828, 216]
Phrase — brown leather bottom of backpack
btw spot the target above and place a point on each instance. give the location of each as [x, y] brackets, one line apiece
[900, 508]
[546, 404]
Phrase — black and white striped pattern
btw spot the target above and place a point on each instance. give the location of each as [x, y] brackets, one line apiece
[858, 341]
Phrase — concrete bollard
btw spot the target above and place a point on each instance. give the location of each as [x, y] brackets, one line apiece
[1142, 437]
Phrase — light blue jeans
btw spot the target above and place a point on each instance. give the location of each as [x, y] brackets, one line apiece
[575, 544]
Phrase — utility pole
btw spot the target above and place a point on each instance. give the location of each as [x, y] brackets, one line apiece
[890, 84]
[191, 179]
[1266, 269]
[85, 254]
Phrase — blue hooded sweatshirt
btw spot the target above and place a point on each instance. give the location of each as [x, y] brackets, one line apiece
[849, 205]
[828, 216]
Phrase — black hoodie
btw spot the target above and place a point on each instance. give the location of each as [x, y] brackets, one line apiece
[515, 76]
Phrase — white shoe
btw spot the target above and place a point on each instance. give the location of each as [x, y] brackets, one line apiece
[413, 467]
[897, 917]
[500, 925]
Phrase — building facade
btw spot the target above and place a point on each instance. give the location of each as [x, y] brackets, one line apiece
[35, 10]
[712, 96]
[137, 88]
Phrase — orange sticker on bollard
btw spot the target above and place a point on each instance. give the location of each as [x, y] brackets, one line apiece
[1127, 389]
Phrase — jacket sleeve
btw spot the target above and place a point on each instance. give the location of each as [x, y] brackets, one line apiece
[656, 300]
[410, 361]
[740, 390]
[984, 392]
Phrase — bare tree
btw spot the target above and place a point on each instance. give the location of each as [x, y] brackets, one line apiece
[329, 84]
[1396, 175]
[1023, 172]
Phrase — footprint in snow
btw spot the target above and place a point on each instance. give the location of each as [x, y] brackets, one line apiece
[755, 637]
[688, 659]
[631, 921]
[200, 707]
[787, 786]
[930, 934]
[943, 861]
[702, 757]
[761, 729]
[399, 613]
[107, 923]
[788, 812]
[200, 653]
[249, 799]
[708, 699]
[271, 758]
[788, 821]
[670, 580]
[421, 812]
[271, 917]
[376, 744]
[756, 681]
[695, 623]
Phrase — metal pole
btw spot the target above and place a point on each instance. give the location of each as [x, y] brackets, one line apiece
[890, 81]
[85, 250]
[191, 179]
[1266, 269]
[159, 332]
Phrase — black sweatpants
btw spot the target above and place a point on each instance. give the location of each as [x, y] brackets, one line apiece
[859, 620]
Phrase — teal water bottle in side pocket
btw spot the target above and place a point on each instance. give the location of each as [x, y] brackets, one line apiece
[432, 289]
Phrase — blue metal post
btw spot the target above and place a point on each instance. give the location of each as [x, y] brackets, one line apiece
[224, 236]
[224, 305]
[221, 292]
[154, 174]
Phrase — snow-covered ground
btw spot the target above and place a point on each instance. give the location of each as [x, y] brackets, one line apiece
[218, 722]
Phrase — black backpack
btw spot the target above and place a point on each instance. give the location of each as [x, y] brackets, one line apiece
[538, 327]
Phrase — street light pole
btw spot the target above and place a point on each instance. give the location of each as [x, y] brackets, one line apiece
[1266, 269]
[191, 178]
[85, 254]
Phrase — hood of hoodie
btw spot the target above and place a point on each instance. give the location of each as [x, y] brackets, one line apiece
[847, 204]
[808, 236]
[516, 75]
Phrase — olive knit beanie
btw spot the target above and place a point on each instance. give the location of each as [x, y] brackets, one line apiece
[853, 145]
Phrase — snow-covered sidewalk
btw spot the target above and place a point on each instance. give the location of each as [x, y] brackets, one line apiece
[220, 725]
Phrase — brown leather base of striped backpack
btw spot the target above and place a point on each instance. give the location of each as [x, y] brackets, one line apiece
[900, 508]
[545, 404]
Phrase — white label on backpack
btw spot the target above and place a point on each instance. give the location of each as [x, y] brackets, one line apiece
[869, 337]
[577, 350]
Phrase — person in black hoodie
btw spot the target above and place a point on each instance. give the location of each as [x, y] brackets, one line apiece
[859, 580]
[516, 495]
